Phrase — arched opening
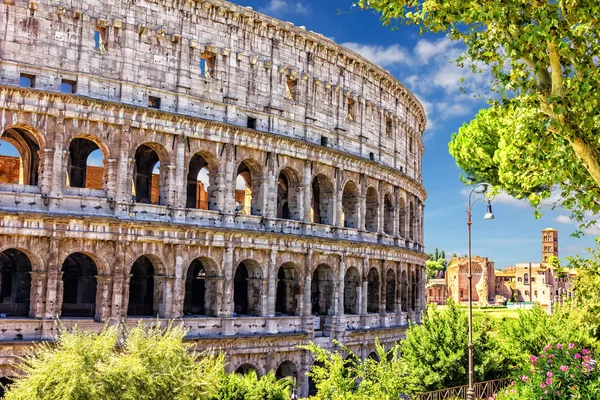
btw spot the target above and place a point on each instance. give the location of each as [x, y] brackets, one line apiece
[401, 218]
[312, 386]
[147, 176]
[322, 200]
[351, 205]
[15, 283]
[285, 369]
[388, 215]
[5, 381]
[141, 288]
[390, 291]
[247, 289]
[19, 157]
[373, 291]
[414, 291]
[247, 189]
[526, 279]
[322, 290]
[79, 286]
[86, 165]
[201, 288]
[373, 356]
[288, 287]
[287, 195]
[246, 369]
[404, 294]
[351, 295]
[411, 222]
[372, 210]
[201, 184]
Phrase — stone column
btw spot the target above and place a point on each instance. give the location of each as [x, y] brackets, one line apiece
[104, 284]
[338, 198]
[380, 210]
[307, 190]
[229, 183]
[178, 287]
[363, 203]
[340, 323]
[272, 288]
[226, 309]
[363, 293]
[54, 276]
[168, 296]
[119, 301]
[111, 166]
[45, 178]
[38, 293]
[269, 189]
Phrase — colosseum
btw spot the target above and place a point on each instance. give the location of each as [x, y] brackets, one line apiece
[198, 161]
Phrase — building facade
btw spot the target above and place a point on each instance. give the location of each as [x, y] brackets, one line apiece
[251, 180]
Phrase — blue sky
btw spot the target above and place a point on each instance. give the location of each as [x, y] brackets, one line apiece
[422, 64]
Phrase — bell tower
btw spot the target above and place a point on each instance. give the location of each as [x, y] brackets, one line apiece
[549, 244]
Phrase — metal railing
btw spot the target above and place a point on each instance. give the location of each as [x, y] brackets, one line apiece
[483, 390]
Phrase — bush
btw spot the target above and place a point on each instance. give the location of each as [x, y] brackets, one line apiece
[559, 372]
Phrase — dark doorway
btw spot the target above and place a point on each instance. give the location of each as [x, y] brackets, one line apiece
[79, 286]
[141, 288]
[15, 283]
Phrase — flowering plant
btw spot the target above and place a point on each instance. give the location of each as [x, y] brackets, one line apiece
[559, 372]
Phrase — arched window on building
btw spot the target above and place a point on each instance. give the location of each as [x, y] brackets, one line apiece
[247, 188]
[372, 210]
[388, 215]
[404, 292]
[401, 218]
[246, 369]
[19, 157]
[201, 288]
[322, 200]
[322, 290]
[288, 287]
[287, 195]
[287, 369]
[390, 291]
[79, 286]
[373, 291]
[247, 288]
[351, 205]
[15, 283]
[141, 289]
[86, 165]
[148, 181]
[351, 285]
[526, 279]
[201, 184]
[411, 222]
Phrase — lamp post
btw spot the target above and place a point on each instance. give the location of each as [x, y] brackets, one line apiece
[488, 215]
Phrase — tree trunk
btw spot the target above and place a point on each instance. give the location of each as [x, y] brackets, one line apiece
[589, 156]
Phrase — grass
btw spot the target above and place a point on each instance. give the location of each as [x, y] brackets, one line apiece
[498, 312]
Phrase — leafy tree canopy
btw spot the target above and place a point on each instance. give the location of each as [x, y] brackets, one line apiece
[543, 59]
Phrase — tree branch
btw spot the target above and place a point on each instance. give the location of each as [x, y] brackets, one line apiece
[588, 155]
[557, 81]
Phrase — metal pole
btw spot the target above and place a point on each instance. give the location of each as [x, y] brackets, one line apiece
[470, 390]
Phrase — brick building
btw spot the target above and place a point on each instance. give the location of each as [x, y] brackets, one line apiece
[259, 184]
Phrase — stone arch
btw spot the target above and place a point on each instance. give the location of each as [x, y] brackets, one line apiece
[15, 282]
[312, 386]
[322, 201]
[390, 291]
[404, 293]
[24, 167]
[201, 288]
[142, 285]
[79, 273]
[288, 288]
[246, 368]
[150, 175]
[388, 214]
[351, 205]
[401, 218]
[372, 210]
[373, 291]
[414, 291]
[247, 288]
[248, 186]
[288, 188]
[85, 165]
[351, 292]
[373, 356]
[322, 287]
[202, 182]
[287, 369]
[411, 221]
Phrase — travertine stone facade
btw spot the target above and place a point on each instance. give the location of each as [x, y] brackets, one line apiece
[308, 224]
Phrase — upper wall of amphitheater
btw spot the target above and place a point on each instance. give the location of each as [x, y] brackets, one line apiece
[218, 61]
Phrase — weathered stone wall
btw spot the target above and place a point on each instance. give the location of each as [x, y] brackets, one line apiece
[332, 213]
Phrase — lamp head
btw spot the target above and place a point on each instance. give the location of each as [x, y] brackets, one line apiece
[489, 214]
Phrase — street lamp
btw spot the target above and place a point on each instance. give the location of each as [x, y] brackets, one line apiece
[484, 187]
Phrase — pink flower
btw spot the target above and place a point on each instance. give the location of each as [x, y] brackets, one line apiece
[549, 381]
[584, 351]
[546, 391]
[571, 346]
[577, 356]
[586, 358]
[543, 385]
[559, 346]
[550, 355]
[564, 368]
[549, 374]
[545, 348]
[533, 359]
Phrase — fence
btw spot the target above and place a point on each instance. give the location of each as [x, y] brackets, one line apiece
[483, 390]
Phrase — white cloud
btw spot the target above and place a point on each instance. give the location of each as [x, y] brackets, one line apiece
[382, 55]
[448, 110]
[427, 50]
[502, 198]
[563, 219]
[280, 7]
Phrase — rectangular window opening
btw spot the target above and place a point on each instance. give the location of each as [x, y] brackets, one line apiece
[27, 80]
[388, 126]
[251, 123]
[372, 156]
[207, 63]
[411, 146]
[100, 39]
[324, 141]
[67, 86]
[351, 110]
[291, 89]
[154, 102]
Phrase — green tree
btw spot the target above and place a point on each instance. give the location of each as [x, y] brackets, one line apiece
[437, 262]
[544, 55]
